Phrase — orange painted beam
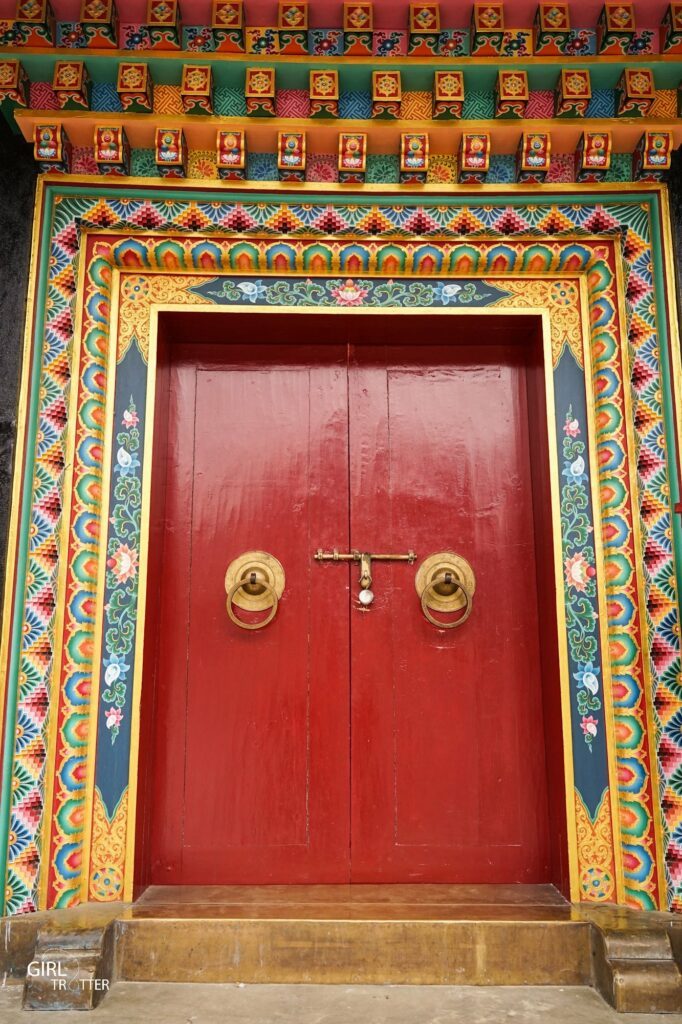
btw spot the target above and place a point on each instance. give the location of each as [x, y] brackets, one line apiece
[322, 136]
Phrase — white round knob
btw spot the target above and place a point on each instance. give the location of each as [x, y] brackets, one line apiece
[366, 597]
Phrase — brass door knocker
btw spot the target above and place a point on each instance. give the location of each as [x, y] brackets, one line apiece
[254, 582]
[445, 582]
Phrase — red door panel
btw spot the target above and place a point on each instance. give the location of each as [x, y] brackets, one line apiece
[447, 754]
[257, 738]
[339, 744]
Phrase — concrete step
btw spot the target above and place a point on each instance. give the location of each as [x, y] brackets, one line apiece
[635, 969]
[70, 970]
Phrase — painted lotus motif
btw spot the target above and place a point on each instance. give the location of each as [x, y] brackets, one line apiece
[349, 294]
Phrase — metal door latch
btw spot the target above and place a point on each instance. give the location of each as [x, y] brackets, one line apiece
[366, 595]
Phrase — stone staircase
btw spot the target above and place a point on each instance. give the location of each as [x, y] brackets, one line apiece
[388, 934]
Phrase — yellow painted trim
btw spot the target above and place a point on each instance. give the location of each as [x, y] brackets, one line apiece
[272, 188]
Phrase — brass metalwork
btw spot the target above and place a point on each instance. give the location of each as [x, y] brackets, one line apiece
[365, 559]
[257, 585]
[445, 582]
[254, 582]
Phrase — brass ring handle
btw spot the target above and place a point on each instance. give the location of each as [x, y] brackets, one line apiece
[252, 578]
[460, 586]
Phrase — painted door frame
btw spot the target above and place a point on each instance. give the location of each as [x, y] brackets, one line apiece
[158, 309]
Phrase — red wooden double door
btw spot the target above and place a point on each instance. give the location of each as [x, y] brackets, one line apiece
[339, 744]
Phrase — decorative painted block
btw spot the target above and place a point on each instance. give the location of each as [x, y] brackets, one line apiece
[35, 23]
[227, 14]
[487, 29]
[52, 148]
[573, 93]
[324, 94]
[14, 86]
[635, 92]
[414, 158]
[71, 36]
[262, 40]
[293, 43]
[325, 42]
[134, 36]
[671, 29]
[448, 95]
[593, 156]
[112, 149]
[511, 94]
[198, 39]
[652, 156]
[642, 43]
[352, 158]
[424, 30]
[231, 155]
[170, 152]
[163, 24]
[135, 88]
[533, 157]
[389, 43]
[196, 89]
[292, 22]
[453, 42]
[72, 85]
[358, 26]
[292, 16]
[581, 43]
[291, 156]
[517, 42]
[99, 20]
[386, 94]
[424, 18]
[615, 29]
[551, 29]
[260, 92]
[473, 159]
[227, 26]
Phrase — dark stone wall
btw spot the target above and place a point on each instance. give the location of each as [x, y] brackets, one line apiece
[675, 190]
[17, 189]
[675, 187]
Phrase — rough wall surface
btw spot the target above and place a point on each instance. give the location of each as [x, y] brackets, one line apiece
[675, 187]
[17, 188]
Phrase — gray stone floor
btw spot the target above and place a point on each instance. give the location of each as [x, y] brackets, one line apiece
[135, 1003]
